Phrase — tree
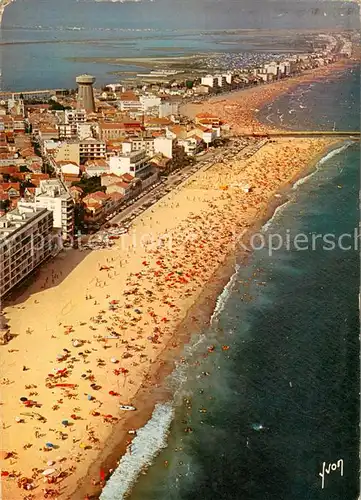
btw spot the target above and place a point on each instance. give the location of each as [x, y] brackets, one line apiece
[56, 106]
[90, 185]
[4, 205]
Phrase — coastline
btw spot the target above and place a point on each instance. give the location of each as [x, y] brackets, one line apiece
[196, 319]
[201, 305]
[242, 106]
[3, 5]
[202, 309]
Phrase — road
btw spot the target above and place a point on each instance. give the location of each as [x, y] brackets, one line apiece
[137, 206]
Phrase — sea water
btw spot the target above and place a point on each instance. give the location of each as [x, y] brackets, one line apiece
[45, 44]
[264, 418]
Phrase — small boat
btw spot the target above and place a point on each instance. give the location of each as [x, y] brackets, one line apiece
[257, 427]
[127, 407]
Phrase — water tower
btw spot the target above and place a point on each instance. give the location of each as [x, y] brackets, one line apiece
[85, 93]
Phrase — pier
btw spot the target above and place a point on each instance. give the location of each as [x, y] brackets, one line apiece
[355, 135]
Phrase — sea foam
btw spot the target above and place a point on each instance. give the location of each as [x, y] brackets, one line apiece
[277, 212]
[323, 160]
[152, 438]
[222, 298]
[149, 440]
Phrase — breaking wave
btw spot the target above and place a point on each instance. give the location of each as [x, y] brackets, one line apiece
[323, 160]
[145, 446]
[222, 298]
[152, 438]
[278, 210]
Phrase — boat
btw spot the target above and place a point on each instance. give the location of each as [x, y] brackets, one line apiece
[257, 427]
[127, 407]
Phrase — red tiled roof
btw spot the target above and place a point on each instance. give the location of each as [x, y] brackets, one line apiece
[116, 196]
[5, 186]
[121, 184]
[97, 195]
[127, 177]
[128, 96]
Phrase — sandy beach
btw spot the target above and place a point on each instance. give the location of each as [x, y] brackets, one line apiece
[240, 108]
[94, 330]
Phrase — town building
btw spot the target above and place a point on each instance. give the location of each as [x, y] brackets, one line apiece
[64, 151]
[133, 163]
[129, 102]
[74, 116]
[91, 149]
[52, 195]
[209, 81]
[96, 167]
[137, 144]
[25, 242]
[115, 130]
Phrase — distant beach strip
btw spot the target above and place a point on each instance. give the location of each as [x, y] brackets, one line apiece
[3, 5]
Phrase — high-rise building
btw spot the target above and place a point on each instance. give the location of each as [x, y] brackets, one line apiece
[52, 195]
[25, 242]
[85, 93]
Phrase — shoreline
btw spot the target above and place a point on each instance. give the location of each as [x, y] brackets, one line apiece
[203, 309]
[3, 6]
[231, 106]
[201, 304]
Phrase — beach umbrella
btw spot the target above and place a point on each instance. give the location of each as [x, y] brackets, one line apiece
[90, 397]
[65, 423]
[49, 445]
[114, 360]
[102, 475]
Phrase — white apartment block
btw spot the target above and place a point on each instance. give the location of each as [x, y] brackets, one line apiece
[168, 108]
[229, 77]
[164, 145]
[129, 163]
[209, 81]
[221, 80]
[150, 145]
[149, 101]
[25, 242]
[53, 195]
[271, 68]
[129, 103]
[138, 144]
[77, 130]
[190, 145]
